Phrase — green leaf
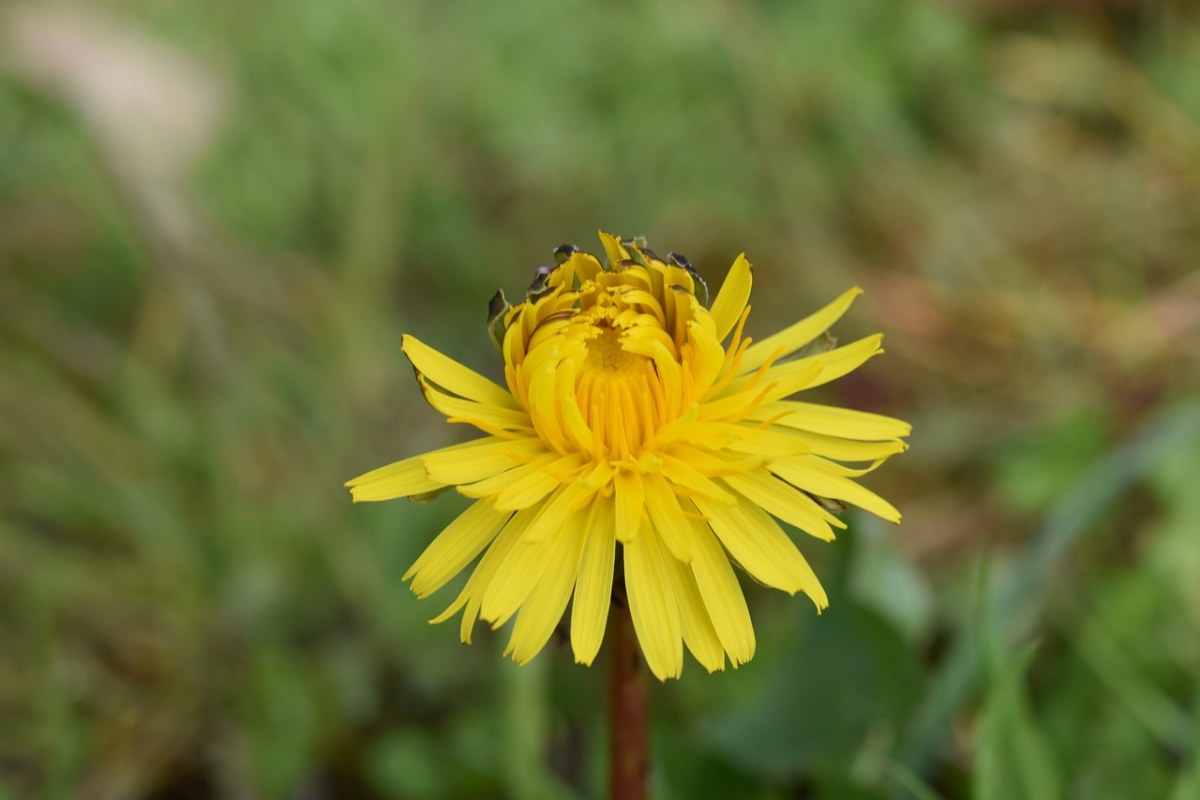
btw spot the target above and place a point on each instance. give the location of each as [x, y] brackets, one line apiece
[1033, 469]
[1012, 758]
[689, 771]
[843, 675]
[404, 764]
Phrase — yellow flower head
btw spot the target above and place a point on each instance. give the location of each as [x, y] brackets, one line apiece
[635, 415]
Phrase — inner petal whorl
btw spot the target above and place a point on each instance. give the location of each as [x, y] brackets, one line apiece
[606, 345]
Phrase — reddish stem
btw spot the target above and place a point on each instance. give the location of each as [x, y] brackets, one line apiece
[628, 730]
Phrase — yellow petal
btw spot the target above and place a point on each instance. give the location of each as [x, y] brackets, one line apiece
[698, 633]
[722, 595]
[400, 479]
[762, 548]
[707, 357]
[652, 605]
[683, 310]
[714, 464]
[573, 495]
[646, 301]
[486, 417]
[782, 500]
[832, 421]
[501, 481]
[543, 405]
[742, 395]
[586, 265]
[532, 487]
[453, 376]
[835, 468]
[566, 402]
[513, 579]
[812, 476]
[732, 298]
[667, 518]
[795, 376]
[803, 373]
[772, 442]
[630, 498]
[792, 338]
[471, 596]
[850, 449]
[681, 474]
[593, 587]
[455, 547]
[482, 458]
[546, 603]
[613, 248]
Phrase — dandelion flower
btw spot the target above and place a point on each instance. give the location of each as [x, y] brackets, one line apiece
[638, 424]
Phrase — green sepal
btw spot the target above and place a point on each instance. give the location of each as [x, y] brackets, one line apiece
[539, 287]
[636, 247]
[426, 497]
[822, 344]
[681, 261]
[498, 308]
[564, 252]
[829, 504]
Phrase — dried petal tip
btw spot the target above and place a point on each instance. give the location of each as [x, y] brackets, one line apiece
[563, 252]
[680, 260]
[498, 308]
[540, 287]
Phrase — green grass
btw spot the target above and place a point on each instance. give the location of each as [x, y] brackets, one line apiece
[191, 607]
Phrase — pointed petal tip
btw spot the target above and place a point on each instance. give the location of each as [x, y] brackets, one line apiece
[893, 516]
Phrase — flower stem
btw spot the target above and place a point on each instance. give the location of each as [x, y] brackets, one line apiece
[627, 716]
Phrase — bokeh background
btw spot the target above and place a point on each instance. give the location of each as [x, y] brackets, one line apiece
[216, 220]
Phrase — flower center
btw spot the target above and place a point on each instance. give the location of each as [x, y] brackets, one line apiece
[605, 353]
[615, 391]
[615, 387]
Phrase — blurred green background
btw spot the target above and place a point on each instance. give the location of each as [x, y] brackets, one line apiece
[216, 220]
